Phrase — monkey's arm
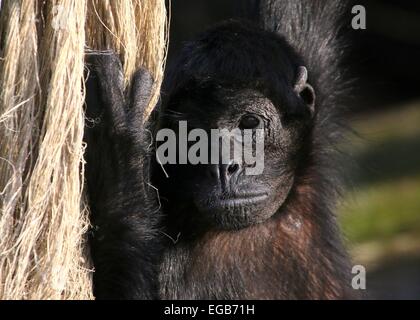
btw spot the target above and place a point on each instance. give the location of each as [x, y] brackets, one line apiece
[125, 243]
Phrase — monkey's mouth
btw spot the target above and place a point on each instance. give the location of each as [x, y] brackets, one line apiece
[233, 199]
[237, 211]
[242, 200]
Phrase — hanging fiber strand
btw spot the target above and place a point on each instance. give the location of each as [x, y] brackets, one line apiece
[43, 214]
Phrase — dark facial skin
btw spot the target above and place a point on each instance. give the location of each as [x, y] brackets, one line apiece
[223, 195]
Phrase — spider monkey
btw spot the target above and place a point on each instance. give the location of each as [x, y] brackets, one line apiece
[210, 231]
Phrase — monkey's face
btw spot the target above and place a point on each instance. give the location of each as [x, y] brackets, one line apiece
[235, 77]
[242, 176]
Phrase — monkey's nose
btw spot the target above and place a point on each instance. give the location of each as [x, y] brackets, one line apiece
[231, 168]
[224, 173]
[228, 173]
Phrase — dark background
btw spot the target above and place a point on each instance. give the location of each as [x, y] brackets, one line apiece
[384, 58]
[380, 214]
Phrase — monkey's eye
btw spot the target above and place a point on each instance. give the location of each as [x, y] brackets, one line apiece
[249, 122]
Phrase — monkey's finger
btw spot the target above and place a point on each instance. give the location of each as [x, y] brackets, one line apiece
[106, 69]
[141, 94]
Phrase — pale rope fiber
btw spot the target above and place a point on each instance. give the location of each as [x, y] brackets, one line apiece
[43, 216]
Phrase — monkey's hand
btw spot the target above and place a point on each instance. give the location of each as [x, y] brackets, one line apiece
[124, 207]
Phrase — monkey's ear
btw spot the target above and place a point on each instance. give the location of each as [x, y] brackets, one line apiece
[305, 91]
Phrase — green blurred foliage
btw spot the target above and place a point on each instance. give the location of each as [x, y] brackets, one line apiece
[384, 200]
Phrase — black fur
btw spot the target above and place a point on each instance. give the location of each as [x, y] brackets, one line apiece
[124, 241]
[297, 251]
